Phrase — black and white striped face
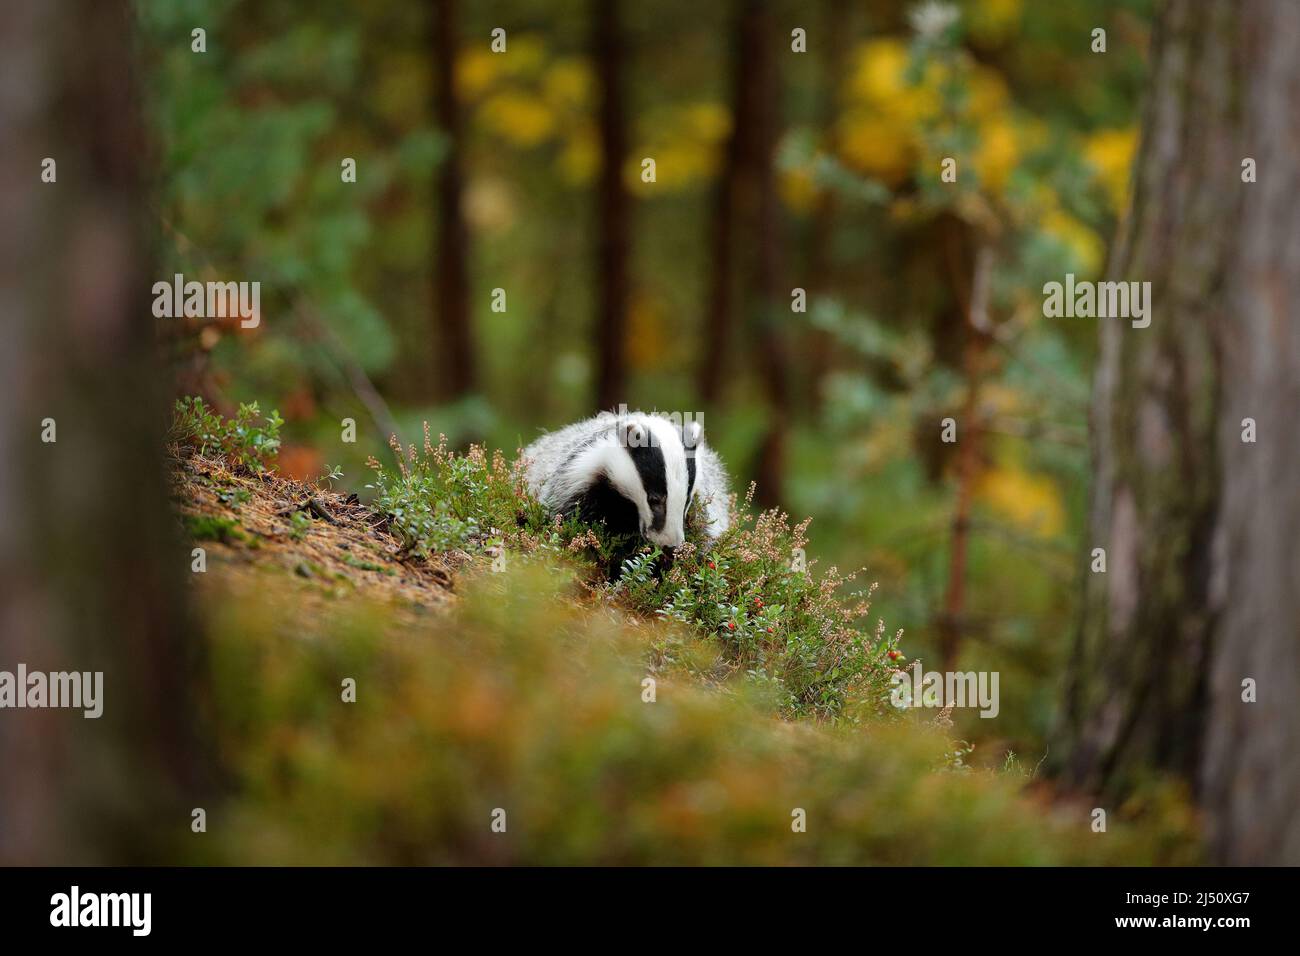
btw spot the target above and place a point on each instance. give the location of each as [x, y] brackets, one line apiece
[644, 477]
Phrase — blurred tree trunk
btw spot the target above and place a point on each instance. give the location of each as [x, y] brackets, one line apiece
[717, 317]
[838, 26]
[613, 210]
[746, 194]
[1202, 586]
[92, 578]
[772, 304]
[970, 263]
[455, 341]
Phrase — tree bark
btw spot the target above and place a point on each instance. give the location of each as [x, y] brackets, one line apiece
[773, 304]
[92, 576]
[613, 212]
[838, 23]
[456, 368]
[1202, 588]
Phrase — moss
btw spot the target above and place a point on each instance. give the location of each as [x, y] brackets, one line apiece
[214, 528]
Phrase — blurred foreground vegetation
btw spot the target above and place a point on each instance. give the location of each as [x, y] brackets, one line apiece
[522, 699]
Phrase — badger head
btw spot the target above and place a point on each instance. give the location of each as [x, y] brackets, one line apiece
[638, 477]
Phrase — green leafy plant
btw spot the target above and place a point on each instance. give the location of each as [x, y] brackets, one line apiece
[299, 525]
[439, 500]
[247, 441]
[788, 627]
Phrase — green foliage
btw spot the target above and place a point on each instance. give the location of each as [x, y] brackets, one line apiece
[213, 528]
[246, 441]
[798, 634]
[299, 525]
[439, 500]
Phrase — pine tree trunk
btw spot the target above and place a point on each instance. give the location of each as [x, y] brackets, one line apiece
[1202, 588]
[732, 191]
[92, 580]
[613, 225]
[772, 308]
[455, 341]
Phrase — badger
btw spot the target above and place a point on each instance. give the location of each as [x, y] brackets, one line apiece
[638, 473]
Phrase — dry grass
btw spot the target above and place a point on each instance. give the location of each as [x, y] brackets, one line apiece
[329, 543]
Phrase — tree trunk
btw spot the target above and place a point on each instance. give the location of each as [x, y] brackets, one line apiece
[611, 258]
[92, 577]
[970, 264]
[838, 23]
[771, 305]
[456, 367]
[718, 318]
[1202, 589]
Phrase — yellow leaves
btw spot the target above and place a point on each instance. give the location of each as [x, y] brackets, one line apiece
[476, 68]
[890, 121]
[1084, 244]
[997, 153]
[1110, 153]
[526, 55]
[880, 129]
[706, 122]
[988, 92]
[877, 145]
[580, 157]
[568, 84]
[1030, 502]
[685, 147]
[529, 103]
[878, 71]
[519, 118]
[798, 189]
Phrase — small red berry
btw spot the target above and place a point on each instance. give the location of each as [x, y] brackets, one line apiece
[769, 630]
[895, 655]
[758, 601]
[712, 565]
[731, 625]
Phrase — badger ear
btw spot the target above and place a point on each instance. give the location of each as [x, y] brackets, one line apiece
[632, 434]
[692, 434]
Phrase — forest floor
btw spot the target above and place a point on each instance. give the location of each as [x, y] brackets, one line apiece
[329, 545]
[607, 733]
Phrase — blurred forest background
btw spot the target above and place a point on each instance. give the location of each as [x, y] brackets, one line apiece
[774, 171]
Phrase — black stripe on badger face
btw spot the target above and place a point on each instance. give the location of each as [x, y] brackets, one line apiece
[649, 462]
[690, 481]
[601, 501]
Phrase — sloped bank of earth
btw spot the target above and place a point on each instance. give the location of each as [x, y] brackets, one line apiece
[316, 544]
[499, 718]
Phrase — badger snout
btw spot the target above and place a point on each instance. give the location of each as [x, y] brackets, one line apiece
[665, 539]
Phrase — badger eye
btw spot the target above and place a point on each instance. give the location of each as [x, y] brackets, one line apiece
[654, 499]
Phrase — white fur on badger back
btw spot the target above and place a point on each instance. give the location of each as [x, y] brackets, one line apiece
[562, 464]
